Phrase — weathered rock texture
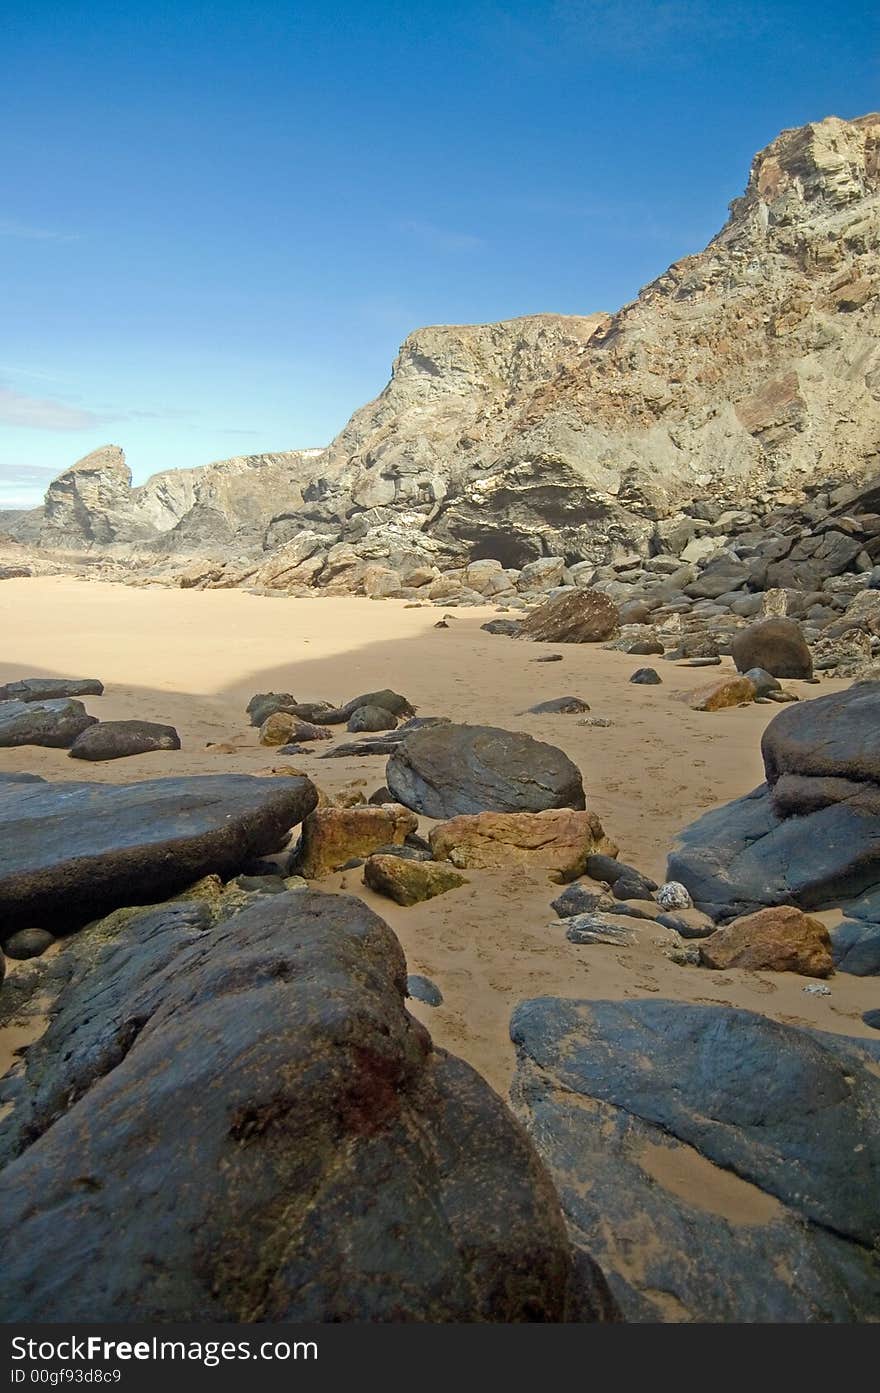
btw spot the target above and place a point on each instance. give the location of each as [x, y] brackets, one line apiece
[244, 1124]
[72, 851]
[719, 1166]
[558, 840]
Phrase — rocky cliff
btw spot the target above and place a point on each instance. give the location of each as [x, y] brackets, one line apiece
[748, 373]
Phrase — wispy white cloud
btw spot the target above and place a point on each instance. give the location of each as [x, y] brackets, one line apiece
[23, 485]
[26, 232]
[441, 239]
[43, 413]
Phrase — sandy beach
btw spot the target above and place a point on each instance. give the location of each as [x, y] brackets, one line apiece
[194, 658]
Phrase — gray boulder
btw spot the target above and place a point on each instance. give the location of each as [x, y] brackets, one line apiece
[371, 718]
[719, 1166]
[452, 769]
[245, 1125]
[118, 739]
[53, 723]
[70, 852]
[50, 688]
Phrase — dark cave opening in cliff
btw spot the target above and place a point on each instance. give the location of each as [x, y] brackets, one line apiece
[511, 550]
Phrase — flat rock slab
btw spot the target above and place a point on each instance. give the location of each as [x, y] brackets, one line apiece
[70, 852]
[119, 739]
[453, 769]
[53, 723]
[49, 688]
[243, 1123]
[719, 1166]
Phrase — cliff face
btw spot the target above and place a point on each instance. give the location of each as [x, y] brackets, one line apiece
[748, 371]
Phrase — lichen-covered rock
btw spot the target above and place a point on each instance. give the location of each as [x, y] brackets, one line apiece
[409, 882]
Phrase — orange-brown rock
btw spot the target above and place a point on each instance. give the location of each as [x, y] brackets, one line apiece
[781, 939]
[331, 836]
[715, 696]
[558, 840]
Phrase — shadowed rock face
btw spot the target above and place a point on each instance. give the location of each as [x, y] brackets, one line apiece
[70, 852]
[719, 1166]
[244, 1124]
[446, 770]
[810, 836]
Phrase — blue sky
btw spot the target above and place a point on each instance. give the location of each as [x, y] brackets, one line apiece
[218, 221]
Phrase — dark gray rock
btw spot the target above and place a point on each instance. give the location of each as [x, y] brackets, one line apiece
[247, 1125]
[763, 682]
[564, 706]
[423, 989]
[52, 723]
[452, 769]
[119, 739]
[28, 943]
[718, 577]
[371, 718]
[508, 627]
[776, 645]
[50, 688]
[811, 835]
[386, 699]
[632, 885]
[872, 1018]
[385, 744]
[265, 704]
[658, 1119]
[70, 852]
[855, 947]
[605, 868]
[403, 850]
[580, 899]
[646, 677]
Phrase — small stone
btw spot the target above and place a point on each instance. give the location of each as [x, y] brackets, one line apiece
[592, 928]
[579, 899]
[567, 706]
[28, 943]
[646, 677]
[816, 989]
[598, 721]
[423, 989]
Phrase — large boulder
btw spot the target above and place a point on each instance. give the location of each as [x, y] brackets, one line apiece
[575, 616]
[54, 723]
[776, 645]
[718, 1165]
[72, 851]
[332, 836]
[558, 839]
[810, 836]
[50, 688]
[118, 739]
[245, 1125]
[450, 769]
